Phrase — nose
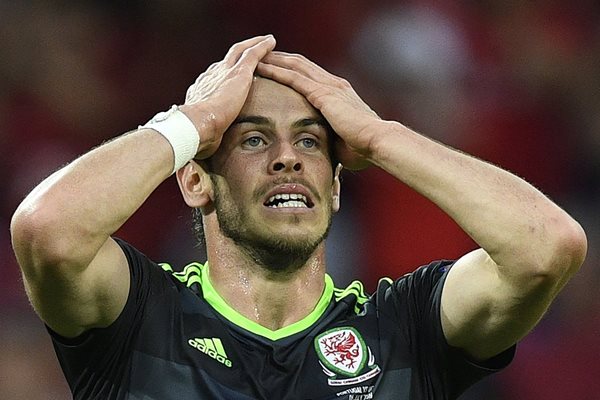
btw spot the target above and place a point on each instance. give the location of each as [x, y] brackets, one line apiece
[285, 159]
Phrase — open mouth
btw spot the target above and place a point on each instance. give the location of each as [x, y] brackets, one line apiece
[288, 200]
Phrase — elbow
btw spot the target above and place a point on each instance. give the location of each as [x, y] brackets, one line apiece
[575, 245]
[39, 239]
[567, 252]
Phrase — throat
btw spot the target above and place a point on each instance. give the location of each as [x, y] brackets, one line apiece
[275, 314]
[279, 260]
[275, 303]
[272, 298]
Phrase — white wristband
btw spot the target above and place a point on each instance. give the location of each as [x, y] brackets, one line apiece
[181, 133]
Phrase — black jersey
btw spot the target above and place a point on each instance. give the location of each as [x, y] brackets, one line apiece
[177, 339]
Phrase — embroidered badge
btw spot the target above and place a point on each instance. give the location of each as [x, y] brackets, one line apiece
[343, 354]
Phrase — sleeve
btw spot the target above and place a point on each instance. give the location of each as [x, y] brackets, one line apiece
[96, 362]
[417, 304]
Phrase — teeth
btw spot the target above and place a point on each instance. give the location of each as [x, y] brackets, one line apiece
[287, 196]
[288, 204]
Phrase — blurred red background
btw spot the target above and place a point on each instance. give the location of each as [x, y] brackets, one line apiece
[516, 83]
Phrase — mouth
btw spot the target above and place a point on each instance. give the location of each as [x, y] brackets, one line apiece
[288, 200]
[289, 196]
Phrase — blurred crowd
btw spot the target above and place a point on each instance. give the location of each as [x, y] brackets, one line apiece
[514, 82]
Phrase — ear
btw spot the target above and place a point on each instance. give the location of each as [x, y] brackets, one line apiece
[336, 188]
[195, 185]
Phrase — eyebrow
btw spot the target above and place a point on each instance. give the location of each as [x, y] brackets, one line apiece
[301, 123]
[260, 120]
[253, 119]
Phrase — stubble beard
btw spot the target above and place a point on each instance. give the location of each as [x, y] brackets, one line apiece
[276, 254]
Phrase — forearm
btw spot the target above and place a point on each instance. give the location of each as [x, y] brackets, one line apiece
[510, 219]
[69, 216]
[530, 246]
[514, 222]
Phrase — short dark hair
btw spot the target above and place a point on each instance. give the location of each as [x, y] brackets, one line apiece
[198, 227]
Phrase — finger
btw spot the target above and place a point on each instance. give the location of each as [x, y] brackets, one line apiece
[298, 63]
[297, 81]
[237, 49]
[210, 68]
[349, 159]
[252, 55]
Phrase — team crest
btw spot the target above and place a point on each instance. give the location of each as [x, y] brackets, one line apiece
[343, 353]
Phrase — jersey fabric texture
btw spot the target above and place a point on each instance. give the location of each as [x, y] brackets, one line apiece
[177, 339]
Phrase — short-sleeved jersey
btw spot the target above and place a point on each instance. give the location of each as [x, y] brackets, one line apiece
[177, 339]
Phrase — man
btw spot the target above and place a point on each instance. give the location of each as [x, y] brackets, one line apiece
[262, 319]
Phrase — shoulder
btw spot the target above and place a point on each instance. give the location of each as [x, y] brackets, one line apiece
[422, 282]
[353, 296]
[424, 278]
[147, 274]
[192, 275]
[415, 295]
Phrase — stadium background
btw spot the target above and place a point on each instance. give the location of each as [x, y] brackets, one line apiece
[513, 82]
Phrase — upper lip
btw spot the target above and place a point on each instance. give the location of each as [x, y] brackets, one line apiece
[290, 188]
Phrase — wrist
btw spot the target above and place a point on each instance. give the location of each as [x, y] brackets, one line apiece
[179, 131]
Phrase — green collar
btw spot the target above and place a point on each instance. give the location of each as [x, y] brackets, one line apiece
[216, 301]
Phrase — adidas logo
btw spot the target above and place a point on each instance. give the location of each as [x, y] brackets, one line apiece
[212, 348]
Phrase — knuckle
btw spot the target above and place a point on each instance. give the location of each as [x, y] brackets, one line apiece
[296, 60]
[342, 83]
[297, 56]
[316, 98]
[251, 52]
[235, 48]
[199, 78]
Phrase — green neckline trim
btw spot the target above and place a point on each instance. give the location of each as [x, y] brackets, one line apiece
[216, 301]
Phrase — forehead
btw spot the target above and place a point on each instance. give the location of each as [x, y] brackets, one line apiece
[272, 99]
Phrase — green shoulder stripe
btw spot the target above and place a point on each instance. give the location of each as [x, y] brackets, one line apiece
[355, 288]
[166, 267]
[191, 273]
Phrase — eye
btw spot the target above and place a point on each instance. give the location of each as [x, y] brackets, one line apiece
[308, 143]
[253, 142]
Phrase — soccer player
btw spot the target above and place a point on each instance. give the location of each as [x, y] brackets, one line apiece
[255, 148]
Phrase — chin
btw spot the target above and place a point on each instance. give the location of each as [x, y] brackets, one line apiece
[286, 254]
[298, 234]
[285, 249]
[293, 239]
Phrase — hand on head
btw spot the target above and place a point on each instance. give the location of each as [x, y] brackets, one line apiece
[349, 116]
[216, 98]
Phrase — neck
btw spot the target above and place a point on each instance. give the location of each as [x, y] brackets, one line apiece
[271, 297]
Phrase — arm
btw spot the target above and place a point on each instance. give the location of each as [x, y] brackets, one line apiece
[76, 276]
[529, 246]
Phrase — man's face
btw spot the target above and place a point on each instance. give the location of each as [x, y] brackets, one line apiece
[272, 174]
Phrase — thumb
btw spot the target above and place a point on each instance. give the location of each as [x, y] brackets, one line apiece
[348, 158]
